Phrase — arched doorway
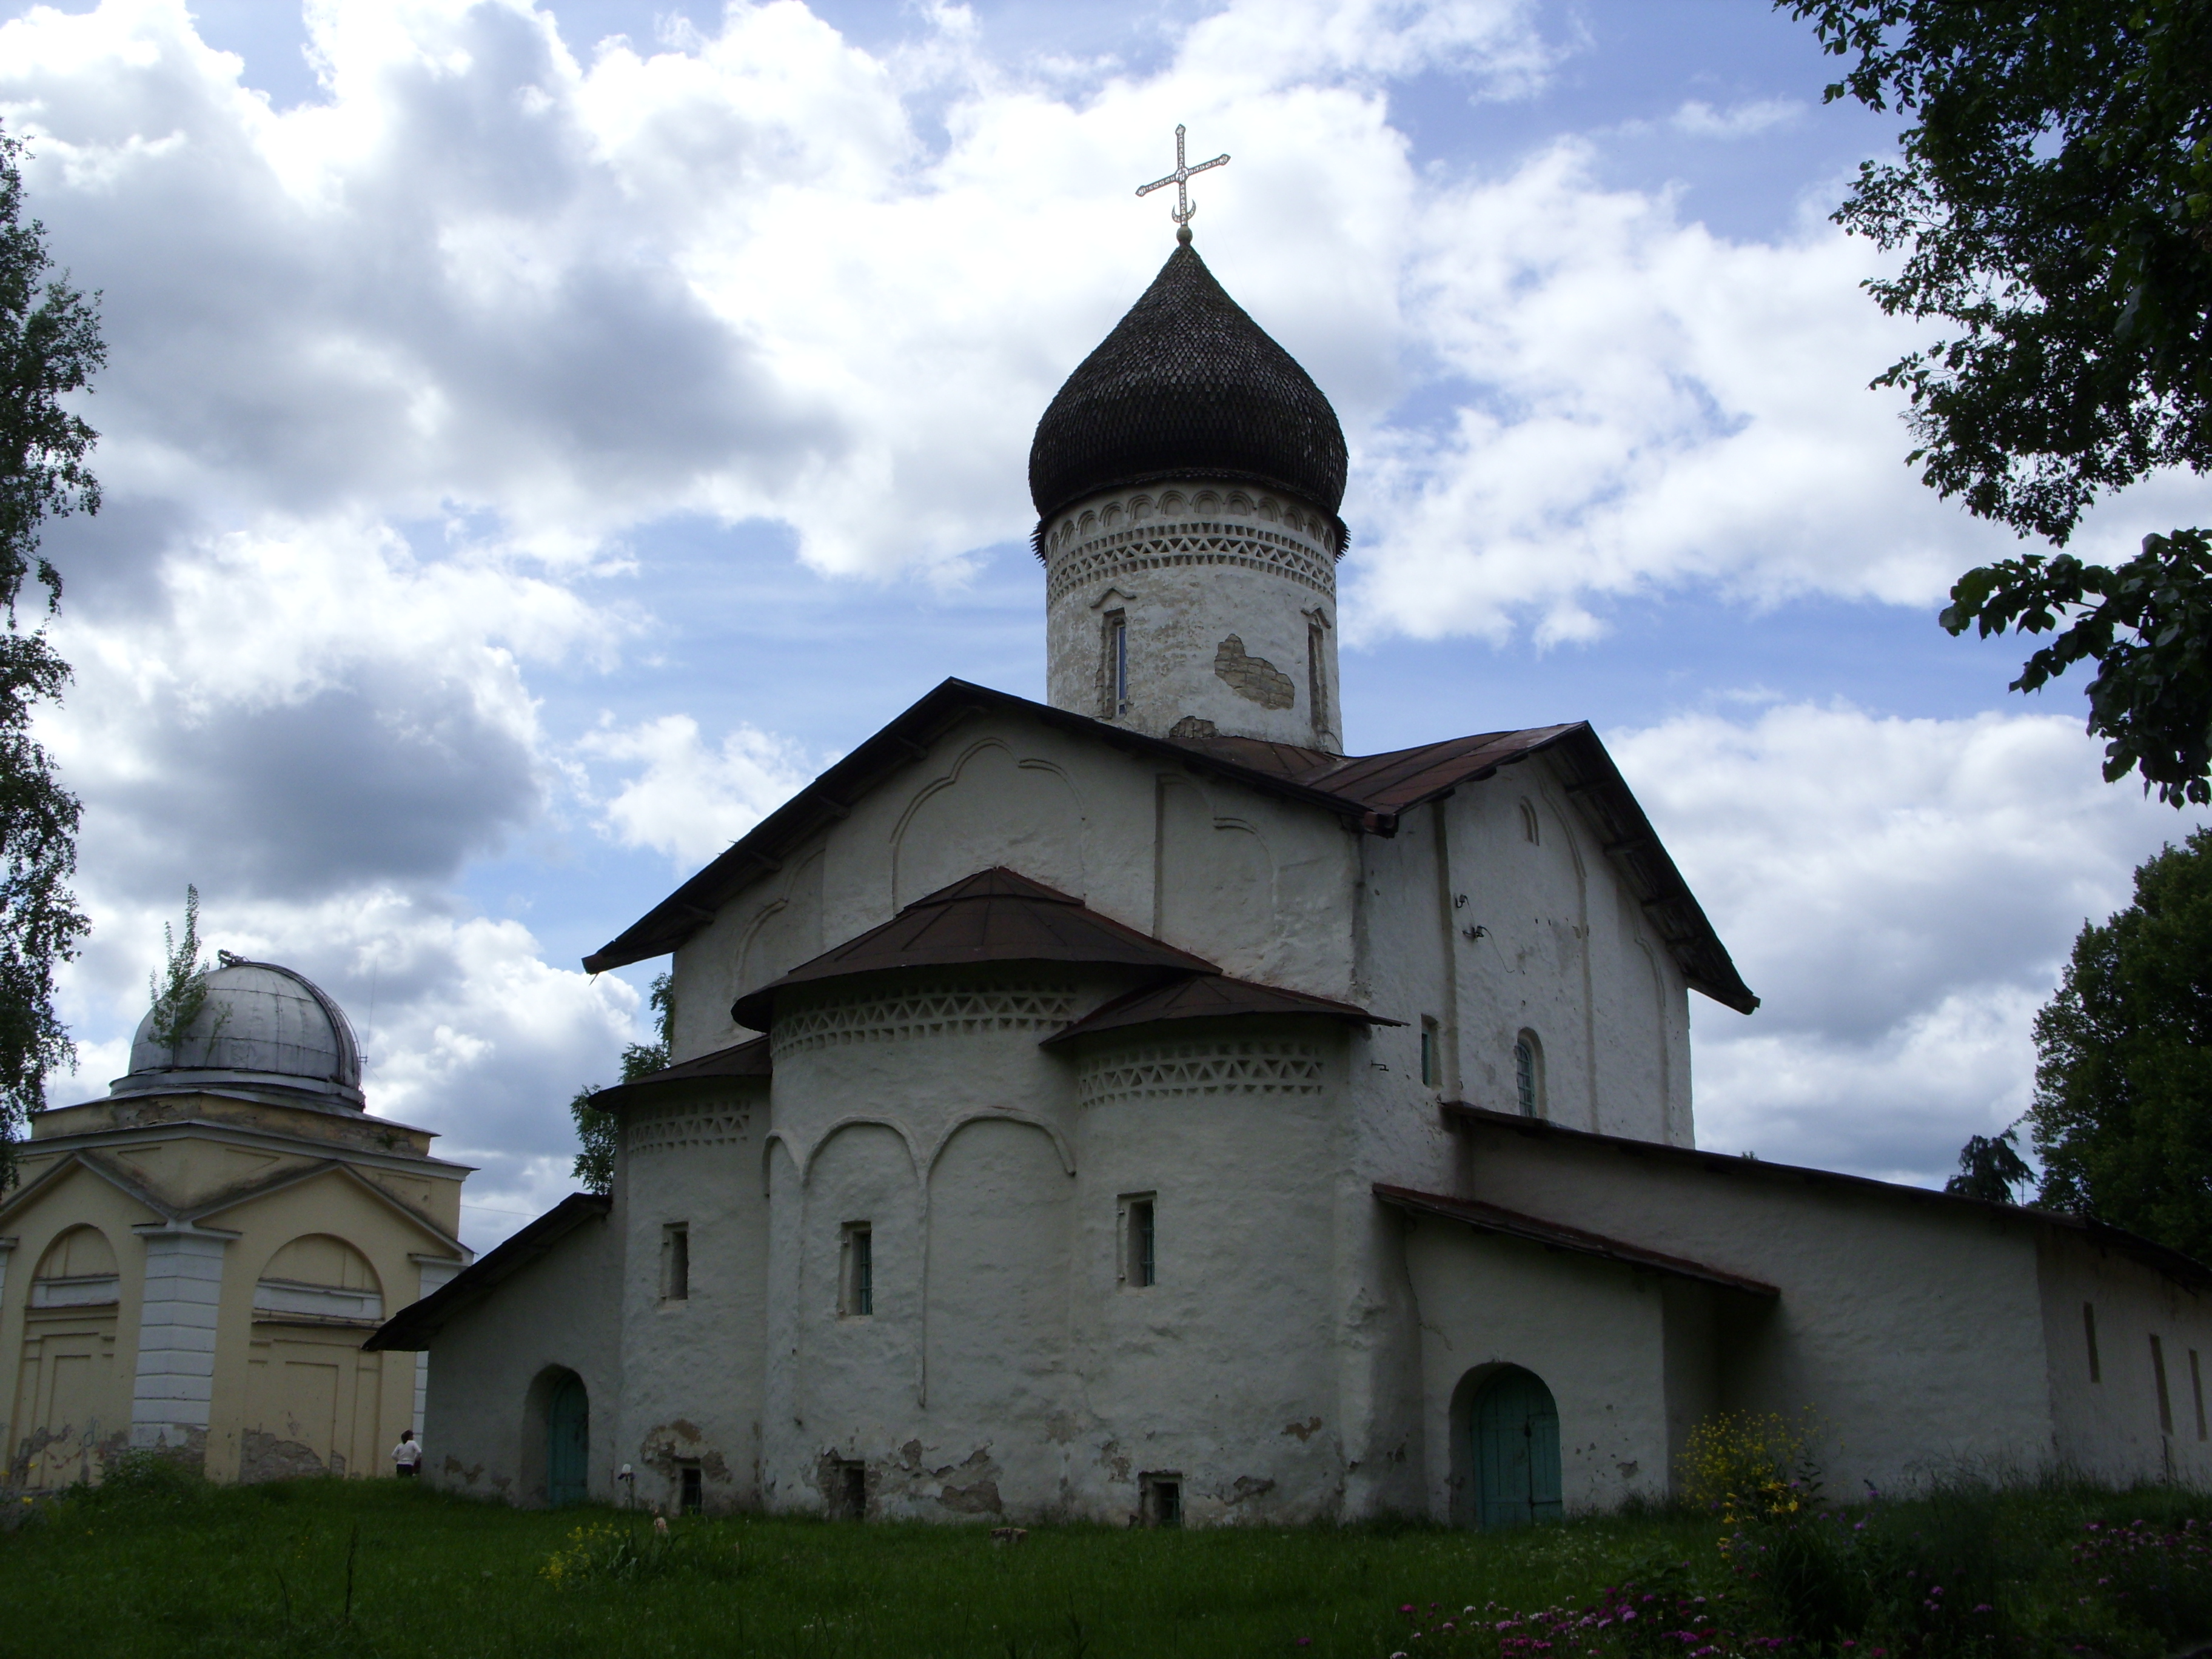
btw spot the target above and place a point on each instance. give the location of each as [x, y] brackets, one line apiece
[569, 1443]
[1515, 1426]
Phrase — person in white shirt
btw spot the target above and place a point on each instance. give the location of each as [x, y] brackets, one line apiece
[407, 1455]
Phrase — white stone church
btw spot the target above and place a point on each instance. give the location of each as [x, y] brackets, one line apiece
[1133, 1107]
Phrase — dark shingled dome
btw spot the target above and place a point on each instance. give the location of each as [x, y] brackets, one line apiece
[1187, 386]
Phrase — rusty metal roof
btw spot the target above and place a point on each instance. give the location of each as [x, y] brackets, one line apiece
[1556, 1235]
[1209, 996]
[1369, 793]
[996, 915]
[748, 1059]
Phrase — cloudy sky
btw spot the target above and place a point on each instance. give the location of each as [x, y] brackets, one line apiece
[521, 423]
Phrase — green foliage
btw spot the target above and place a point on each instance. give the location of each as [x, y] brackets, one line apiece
[146, 1477]
[1989, 1170]
[630, 1548]
[2125, 1061]
[2055, 195]
[1740, 1463]
[598, 1130]
[179, 990]
[50, 346]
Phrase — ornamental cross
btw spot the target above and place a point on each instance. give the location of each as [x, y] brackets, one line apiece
[1184, 212]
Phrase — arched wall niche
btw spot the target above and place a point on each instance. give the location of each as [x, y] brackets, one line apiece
[992, 807]
[787, 930]
[321, 1276]
[999, 1246]
[78, 1254]
[1213, 880]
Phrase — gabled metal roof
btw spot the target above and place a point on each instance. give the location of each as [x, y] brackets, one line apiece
[1368, 793]
[995, 916]
[1208, 996]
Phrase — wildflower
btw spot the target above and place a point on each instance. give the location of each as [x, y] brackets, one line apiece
[1305, 1641]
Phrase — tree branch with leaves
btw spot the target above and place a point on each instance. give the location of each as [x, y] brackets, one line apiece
[50, 346]
[600, 1130]
[2054, 200]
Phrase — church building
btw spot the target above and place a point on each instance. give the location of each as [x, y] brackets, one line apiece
[191, 1265]
[1136, 1107]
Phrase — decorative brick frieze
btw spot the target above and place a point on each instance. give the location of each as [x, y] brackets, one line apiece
[680, 1128]
[1151, 547]
[958, 1011]
[1168, 1070]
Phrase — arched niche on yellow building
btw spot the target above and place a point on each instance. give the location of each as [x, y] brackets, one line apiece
[314, 1403]
[69, 1411]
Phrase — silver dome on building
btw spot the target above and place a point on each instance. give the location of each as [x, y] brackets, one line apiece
[262, 1027]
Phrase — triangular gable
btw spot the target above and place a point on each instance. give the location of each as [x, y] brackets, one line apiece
[288, 1178]
[96, 1165]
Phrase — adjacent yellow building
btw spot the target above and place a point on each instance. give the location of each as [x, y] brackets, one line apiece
[191, 1263]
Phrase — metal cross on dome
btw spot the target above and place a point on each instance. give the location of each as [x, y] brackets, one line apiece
[1184, 212]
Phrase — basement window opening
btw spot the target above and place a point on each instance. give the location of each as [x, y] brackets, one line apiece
[1161, 1499]
[850, 1494]
[2158, 1372]
[2089, 1331]
[690, 1491]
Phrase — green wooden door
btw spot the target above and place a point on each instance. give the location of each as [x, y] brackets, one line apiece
[1517, 1450]
[568, 1443]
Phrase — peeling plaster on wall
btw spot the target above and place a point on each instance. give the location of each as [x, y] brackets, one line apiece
[1252, 678]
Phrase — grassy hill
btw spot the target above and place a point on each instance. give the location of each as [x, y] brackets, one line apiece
[156, 1564]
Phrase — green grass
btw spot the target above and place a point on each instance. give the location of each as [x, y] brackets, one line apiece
[181, 1571]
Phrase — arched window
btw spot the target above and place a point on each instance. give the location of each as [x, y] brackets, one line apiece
[77, 1270]
[1531, 831]
[319, 1280]
[1529, 1074]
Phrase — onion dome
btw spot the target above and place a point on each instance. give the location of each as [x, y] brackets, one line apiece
[1188, 386]
[261, 1027]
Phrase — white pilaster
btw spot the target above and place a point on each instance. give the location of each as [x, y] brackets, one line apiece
[175, 1392]
[435, 1274]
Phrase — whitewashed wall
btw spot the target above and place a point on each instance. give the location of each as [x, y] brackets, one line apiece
[483, 1424]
